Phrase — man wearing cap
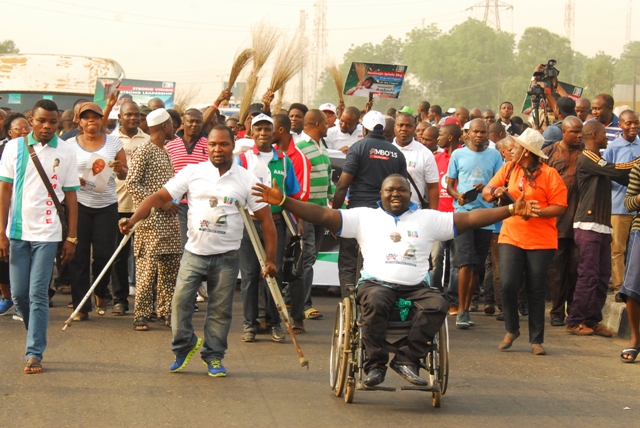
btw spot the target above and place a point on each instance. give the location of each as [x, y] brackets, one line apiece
[421, 164]
[211, 254]
[132, 137]
[330, 111]
[34, 233]
[368, 163]
[245, 139]
[564, 106]
[76, 119]
[188, 148]
[623, 149]
[347, 133]
[268, 165]
[157, 246]
[144, 111]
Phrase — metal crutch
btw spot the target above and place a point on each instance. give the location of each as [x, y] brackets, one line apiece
[125, 238]
[271, 282]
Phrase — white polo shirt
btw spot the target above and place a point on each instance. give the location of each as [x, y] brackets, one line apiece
[214, 229]
[421, 164]
[33, 215]
[336, 139]
[396, 249]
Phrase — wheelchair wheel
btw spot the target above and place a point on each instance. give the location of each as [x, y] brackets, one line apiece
[443, 356]
[350, 389]
[340, 347]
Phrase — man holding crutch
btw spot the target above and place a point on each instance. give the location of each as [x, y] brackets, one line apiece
[34, 231]
[214, 233]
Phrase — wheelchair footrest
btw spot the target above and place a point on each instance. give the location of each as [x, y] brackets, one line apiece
[361, 387]
[427, 388]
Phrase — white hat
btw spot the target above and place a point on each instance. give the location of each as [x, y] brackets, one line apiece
[467, 125]
[328, 107]
[451, 110]
[531, 140]
[372, 119]
[157, 117]
[261, 118]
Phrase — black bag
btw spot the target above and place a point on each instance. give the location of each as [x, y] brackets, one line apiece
[506, 198]
[292, 265]
[423, 204]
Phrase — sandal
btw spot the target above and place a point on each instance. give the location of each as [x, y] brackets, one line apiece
[63, 288]
[101, 309]
[81, 317]
[537, 349]
[33, 366]
[508, 340]
[166, 320]
[298, 328]
[141, 324]
[312, 314]
[632, 352]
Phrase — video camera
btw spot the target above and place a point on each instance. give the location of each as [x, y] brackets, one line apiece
[544, 73]
[548, 73]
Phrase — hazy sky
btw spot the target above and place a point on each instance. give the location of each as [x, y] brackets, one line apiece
[194, 42]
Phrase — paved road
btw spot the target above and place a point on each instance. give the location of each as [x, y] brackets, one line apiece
[102, 373]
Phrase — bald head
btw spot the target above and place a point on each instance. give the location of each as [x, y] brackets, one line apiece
[3, 114]
[155, 103]
[496, 131]
[315, 116]
[570, 121]
[595, 136]
[349, 120]
[462, 114]
[475, 113]
[315, 124]
[583, 108]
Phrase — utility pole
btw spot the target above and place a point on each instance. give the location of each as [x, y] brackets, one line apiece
[569, 20]
[492, 11]
[629, 13]
[320, 44]
[635, 76]
[302, 28]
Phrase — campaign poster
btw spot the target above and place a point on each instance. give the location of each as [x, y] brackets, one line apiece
[97, 173]
[572, 91]
[379, 80]
[139, 91]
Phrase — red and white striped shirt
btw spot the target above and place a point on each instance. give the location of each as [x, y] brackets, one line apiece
[181, 156]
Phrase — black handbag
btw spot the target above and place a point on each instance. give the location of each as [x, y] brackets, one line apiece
[292, 265]
[506, 198]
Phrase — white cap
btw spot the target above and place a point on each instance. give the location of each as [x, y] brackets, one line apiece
[328, 107]
[451, 110]
[157, 117]
[466, 125]
[261, 118]
[372, 119]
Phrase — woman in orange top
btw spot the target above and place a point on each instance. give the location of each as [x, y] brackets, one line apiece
[527, 245]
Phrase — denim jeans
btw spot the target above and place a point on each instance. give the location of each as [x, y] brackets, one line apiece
[31, 267]
[252, 279]
[300, 290]
[535, 265]
[220, 271]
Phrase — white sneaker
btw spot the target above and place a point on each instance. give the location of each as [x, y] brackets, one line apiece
[199, 298]
[132, 291]
[17, 316]
[202, 292]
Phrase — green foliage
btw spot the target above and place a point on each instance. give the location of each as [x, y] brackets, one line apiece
[624, 66]
[8, 46]
[599, 75]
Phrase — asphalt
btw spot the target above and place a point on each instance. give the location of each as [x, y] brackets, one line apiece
[101, 373]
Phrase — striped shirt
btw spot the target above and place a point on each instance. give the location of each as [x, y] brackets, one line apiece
[321, 186]
[631, 199]
[302, 167]
[182, 156]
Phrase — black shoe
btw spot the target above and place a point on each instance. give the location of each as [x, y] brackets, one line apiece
[500, 316]
[618, 298]
[557, 322]
[474, 306]
[50, 303]
[408, 372]
[373, 378]
[523, 309]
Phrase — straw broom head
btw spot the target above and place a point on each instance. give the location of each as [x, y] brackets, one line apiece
[264, 40]
[334, 71]
[278, 104]
[241, 61]
[288, 63]
[247, 96]
[361, 70]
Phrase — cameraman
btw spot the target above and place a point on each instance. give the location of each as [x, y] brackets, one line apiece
[564, 107]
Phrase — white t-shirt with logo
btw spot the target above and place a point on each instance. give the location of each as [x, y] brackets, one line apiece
[396, 249]
[421, 164]
[336, 139]
[214, 222]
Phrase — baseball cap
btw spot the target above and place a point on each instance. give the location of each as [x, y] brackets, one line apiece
[328, 107]
[157, 117]
[145, 110]
[466, 126]
[452, 121]
[406, 109]
[90, 107]
[373, 119]
[261, 118]
[451, 110]
[567, 106]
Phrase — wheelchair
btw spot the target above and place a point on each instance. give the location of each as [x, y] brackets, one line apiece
[348, 355]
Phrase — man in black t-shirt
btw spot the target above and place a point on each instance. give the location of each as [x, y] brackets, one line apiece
[369, 161]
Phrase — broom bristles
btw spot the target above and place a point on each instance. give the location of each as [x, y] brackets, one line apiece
[247, 96]
[334, 71]
[278, 104]
[288, 63]
[361, 70]
[264, 40]
[240, 62]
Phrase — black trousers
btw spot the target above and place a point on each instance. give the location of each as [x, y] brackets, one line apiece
[120, 269]
[563, 275]
[97, 231]
[347, 265]
[377, 302]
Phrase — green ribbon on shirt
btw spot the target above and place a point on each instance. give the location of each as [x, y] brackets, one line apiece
[404, 306]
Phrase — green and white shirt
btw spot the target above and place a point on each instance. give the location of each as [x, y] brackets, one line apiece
[322, 188]
[33, 215]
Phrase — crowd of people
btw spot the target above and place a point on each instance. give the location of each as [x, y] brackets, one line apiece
[525, 216]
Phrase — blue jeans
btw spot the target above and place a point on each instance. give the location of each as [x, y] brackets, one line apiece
[300, 290]
[31, 267]
[220, 271]
[252, 278]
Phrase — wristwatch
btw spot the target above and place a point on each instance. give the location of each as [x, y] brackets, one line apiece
[74, 241]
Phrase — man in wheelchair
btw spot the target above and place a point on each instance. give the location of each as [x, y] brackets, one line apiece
[396, 240]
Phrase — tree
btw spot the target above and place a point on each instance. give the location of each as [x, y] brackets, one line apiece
[8, 46]
[624, 67]
[599, 75]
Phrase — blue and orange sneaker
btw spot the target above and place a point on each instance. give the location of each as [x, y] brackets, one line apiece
[181, 362]
[5, 306]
